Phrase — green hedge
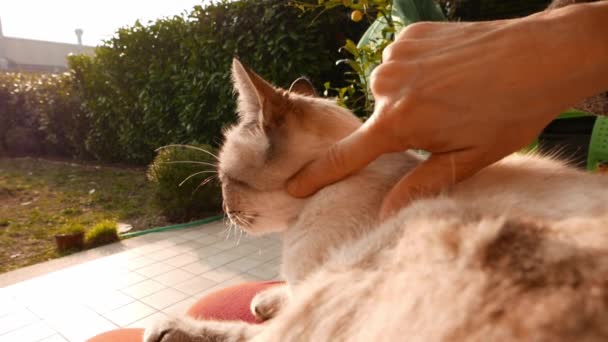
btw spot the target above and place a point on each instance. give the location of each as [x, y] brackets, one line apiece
[40, 115]
[168, 81]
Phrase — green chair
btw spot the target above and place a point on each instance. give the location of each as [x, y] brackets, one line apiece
[597, 159]
[577, 131]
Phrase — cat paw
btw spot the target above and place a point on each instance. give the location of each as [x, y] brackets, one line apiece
[267, 304]
[168, 330]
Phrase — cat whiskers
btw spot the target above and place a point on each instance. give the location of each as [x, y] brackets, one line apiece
[229, 222]
[189, 147]
[231, 227]
[239, 229]
[226, 220]
[241, 219]
[207, 180]
[196, 162]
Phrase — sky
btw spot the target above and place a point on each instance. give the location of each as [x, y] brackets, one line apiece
[56, 20]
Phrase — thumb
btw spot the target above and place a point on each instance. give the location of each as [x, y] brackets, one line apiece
[343, 159]
[437, 173]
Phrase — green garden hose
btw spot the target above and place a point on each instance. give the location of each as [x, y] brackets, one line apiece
[172, 227]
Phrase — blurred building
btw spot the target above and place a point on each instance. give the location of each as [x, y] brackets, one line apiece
[30, 55]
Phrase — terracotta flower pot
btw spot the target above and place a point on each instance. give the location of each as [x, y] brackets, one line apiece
[69, 241]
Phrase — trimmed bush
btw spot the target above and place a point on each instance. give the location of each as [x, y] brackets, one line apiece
[168, 81]
[102, 233]
[71, 228]
[186, 183]
[40, 115]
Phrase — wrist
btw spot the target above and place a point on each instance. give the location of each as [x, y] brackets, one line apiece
[578, 32]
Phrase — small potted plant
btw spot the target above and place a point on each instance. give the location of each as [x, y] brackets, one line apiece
[70, 237]
[102, 233]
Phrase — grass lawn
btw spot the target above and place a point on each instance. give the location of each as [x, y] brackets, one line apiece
[38, 196]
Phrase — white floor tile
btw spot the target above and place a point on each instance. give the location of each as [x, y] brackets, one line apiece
[29, 333]
[198, 267]
[166, 276]
[9, 305]
[122, 280]
[155, 269]
[226, 244]
[240, 279]
[52, 307]
[181, 260]
[54, 338]
[166, 253]
[245, 249]
[220, 274]
[148, 321]
[134, 264]
[180, 308]
[16, 320]
[173, 277]
[265, 272]
[205, 252]
[79, 325]
[207, 239]
[164, 298]
[263, 256]
[130, 313]
[150, 248]
[108, 301]
[176, 239]
[190, 245]
[215, 228]
[222, 258]
[192, 235]
[244, 264]
[195, 285]
[145, 288]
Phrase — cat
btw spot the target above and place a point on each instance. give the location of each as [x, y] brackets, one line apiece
[517, 252]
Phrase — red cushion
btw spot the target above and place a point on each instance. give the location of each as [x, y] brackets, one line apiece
[231, 304]
[120, 335]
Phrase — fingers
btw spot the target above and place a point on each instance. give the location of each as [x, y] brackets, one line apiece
[437, 173]
[409, 48]
[420, 39]
[445, 30]
[344, 158]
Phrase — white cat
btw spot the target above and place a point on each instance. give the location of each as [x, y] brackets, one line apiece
[517, 252]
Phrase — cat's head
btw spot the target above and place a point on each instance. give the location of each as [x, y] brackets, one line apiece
[278, 132]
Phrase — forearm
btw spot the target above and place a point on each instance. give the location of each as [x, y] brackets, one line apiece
[583, 54]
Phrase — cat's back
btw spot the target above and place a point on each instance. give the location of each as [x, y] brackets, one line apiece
[517, 252]
[534, 187]
[503, 256]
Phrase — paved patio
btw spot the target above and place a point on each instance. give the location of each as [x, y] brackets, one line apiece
[129, 284]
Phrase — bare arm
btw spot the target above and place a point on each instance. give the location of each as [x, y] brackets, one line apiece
[470, 93]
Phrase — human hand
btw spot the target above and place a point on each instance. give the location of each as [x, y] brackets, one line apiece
[469, 93]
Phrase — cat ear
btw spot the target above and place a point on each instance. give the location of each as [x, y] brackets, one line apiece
[303, 86]
[258, 100]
